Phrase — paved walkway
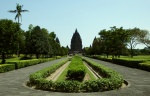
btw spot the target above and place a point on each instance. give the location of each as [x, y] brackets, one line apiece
[12, 83]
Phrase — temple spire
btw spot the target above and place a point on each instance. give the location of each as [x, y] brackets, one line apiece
[76, 42]
[76, 31]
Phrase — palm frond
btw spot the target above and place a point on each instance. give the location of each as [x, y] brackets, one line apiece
[24, 11]
[12, 11]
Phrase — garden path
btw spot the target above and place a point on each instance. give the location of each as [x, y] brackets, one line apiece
[58, 72]
[13, 83]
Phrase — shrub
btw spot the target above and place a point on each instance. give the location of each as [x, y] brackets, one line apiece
[67, 86]
[35, 77]
[6, 67]
[128, 63]
[76, 70]
[112, 80]
[145, 66]
[140, 64]
[25, 63]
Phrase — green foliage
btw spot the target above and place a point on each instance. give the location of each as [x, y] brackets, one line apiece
[26, 63]
[36, 77]
[67, 86]
[114, 40]
[145, 65]
[39, 42]
[97, 46]
[9, 36]
[128, 63]
[6, 67]
[140, 62]
[76, 69]
[112, 80]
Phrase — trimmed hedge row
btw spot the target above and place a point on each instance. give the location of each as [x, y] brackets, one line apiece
[139, 64]
[36, 77]
[128, 63]
[76, 70]
[145, 66]
[100, 58]
[6, 67]
[12, 65]
[25, 63]
[112, 80]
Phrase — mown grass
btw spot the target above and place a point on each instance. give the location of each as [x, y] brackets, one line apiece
[62, 76]
[90, 74]
[140, 57]
[13, 59]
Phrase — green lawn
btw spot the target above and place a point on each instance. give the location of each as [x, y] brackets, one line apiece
[139, 57]
[13, 59]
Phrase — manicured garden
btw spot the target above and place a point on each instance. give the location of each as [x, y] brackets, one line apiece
[72, 78]
[140, 62]
[18, 62]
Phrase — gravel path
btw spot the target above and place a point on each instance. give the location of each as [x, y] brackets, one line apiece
[12, 83]
[58, 72]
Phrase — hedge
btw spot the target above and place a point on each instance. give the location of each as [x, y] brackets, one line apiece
[128, 63]
[25, 63]
[139, 64]
[36, 77]
[76, 69]
[6, 67]
[145, 66]
[100, 58]
[112, 80]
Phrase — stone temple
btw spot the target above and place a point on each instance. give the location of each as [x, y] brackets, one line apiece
[76, 43]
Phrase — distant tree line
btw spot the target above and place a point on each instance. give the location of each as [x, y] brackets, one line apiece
[35, 41]
[119, 41]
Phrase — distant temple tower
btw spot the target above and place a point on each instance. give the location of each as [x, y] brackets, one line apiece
[76, 43]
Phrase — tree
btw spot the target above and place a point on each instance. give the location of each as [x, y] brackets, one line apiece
[113, 41]
[39, 42]
[18, 16]
[27, 40]
[133, 39]
[18, 11]
[144, 37]
[57, 40]
[106, 42]
[96, 46]
[55, 44]
[8, 37]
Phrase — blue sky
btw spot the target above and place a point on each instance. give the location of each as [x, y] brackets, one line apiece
[88, 16]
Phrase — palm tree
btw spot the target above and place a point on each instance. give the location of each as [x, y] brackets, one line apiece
[18, 16]
[18, 11]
